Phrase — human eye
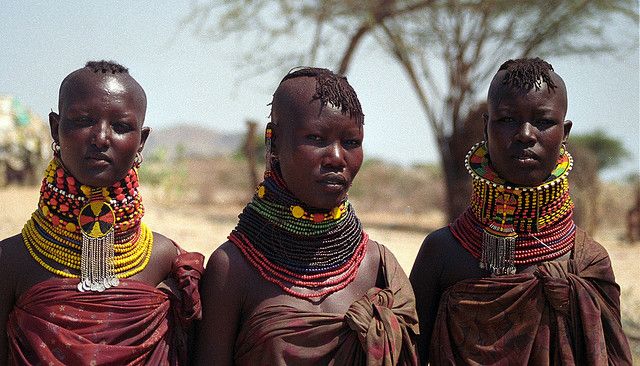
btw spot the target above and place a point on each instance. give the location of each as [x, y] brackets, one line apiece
[78, 121]
[313, 137]
[543, 123]
[352, 143]
[506, 119]
[122, 127]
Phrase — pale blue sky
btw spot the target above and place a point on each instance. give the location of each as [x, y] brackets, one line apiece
[189, 80]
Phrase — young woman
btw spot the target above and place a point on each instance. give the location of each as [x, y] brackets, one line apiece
[299, 282]
[87, 282]
[513, 281]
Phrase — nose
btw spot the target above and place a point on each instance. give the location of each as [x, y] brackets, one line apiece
[526, 133]
[334, 156]
[101, 136]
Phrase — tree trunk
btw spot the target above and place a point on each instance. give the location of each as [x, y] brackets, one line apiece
[455, 149]
[457, 183]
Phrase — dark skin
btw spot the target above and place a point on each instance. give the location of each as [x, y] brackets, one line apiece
[524, 132]
[315, 148]
[99, 129]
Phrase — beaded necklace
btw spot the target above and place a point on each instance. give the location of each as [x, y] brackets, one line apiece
[508, 225]
[293, 245]
[94, 234]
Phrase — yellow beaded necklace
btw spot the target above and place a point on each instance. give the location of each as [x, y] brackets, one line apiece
[69, 218]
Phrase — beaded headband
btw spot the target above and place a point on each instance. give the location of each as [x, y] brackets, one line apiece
[514, 222]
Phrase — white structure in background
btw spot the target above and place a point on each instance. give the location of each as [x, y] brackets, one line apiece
[24, 143]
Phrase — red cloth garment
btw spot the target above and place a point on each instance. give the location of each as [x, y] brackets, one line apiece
[131, 324]
[378, 329]
[565, 313]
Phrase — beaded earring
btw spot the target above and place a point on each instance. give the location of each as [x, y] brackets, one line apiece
[138, 159]
[268, 133]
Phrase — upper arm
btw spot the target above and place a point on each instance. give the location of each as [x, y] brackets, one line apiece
[7, 296]
[425, 279]
[221, 293]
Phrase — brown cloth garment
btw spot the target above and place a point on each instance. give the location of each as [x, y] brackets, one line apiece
[131, 324]
[566, 313]
[379, 329]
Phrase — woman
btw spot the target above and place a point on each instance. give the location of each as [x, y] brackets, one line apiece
[87, 282]
[299, 282]
[513, 280]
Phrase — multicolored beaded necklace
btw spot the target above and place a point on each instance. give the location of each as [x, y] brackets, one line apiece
[292, 245]
[94, 234]
[505, 226]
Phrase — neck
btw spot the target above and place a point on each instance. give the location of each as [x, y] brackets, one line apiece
[94, 233]
[291, 244]
[507, 225]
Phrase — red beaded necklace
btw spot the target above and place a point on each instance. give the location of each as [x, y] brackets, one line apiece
[505, 226]
[292, 245]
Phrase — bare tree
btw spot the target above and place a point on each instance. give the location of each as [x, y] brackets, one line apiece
[468, 38]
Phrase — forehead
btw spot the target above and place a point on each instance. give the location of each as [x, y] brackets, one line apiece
[84, 85]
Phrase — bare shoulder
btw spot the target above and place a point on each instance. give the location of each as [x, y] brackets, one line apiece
[17, 269]
[434, 249]
[227, 267]
[164, 249]
[163, 254]
[12, 254]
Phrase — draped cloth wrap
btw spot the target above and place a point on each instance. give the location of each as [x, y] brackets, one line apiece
[378, 329]
[53, 323]
[566, 313]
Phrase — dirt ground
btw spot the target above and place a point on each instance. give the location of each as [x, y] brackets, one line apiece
[203, 228]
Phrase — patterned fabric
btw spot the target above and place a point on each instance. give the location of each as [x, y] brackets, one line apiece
[566, 312]
[132, 324]
[378, 329]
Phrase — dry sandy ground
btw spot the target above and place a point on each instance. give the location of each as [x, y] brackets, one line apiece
[203, 228]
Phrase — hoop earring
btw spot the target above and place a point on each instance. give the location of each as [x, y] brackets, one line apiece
[563, 148]
[138, 159]
[55, 147]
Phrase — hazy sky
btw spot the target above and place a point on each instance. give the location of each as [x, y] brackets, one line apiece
[190, 80]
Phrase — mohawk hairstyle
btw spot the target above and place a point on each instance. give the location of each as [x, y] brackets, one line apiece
[331, 88]
[526, 73]
[106, 66]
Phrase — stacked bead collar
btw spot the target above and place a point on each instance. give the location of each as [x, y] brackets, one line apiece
[53, 233]
[291, 244]
[540, 218]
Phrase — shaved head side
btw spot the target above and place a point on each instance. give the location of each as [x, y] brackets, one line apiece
[319, 84]
[293, 98]
[520, 76]
[99, 73]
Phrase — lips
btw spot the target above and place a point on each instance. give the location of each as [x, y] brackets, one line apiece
[333, 181]
[525, 156]
[98, 157]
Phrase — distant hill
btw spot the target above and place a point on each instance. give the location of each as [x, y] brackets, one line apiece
[196, 140]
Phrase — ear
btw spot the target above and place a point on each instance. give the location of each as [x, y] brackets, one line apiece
[567, 129]
[54, 122]
[485, 120]
[144, 134]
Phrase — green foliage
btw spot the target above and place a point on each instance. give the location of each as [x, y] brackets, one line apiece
[608, 151]
[470, 38]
